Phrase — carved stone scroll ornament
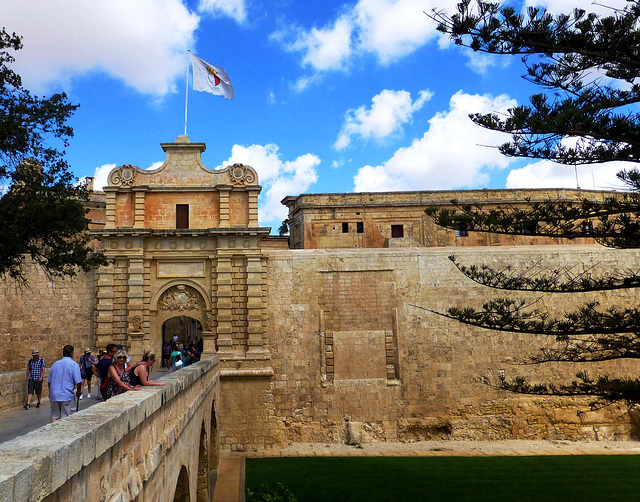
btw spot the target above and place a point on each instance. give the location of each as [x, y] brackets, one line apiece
[123, 176]
[242, 175]
[181, 298]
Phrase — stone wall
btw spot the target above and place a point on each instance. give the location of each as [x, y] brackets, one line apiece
[351, 344]
[146, 445]
[46, 315]
[13, 389]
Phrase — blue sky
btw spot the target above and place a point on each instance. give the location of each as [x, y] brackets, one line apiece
[330, 96]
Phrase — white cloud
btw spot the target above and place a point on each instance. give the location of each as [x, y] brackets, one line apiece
[393, 28]
[278, 178]
[327, 48]
[234, 9]
[451, 154]
[101, 175]
[389, 111]
[390, 29]
[141, 43]
[547, 174]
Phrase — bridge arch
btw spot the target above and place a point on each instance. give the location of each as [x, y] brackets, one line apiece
[182, 493]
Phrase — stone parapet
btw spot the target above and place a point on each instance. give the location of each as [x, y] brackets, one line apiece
[134, 446]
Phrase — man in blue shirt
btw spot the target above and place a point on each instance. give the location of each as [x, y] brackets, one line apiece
[64, 376]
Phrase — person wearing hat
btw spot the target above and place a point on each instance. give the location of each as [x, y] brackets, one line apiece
[35, 372]
[87, 362]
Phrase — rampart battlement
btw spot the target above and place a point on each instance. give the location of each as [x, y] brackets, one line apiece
[148, 445]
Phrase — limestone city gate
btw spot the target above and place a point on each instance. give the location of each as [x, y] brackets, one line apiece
[184, 242]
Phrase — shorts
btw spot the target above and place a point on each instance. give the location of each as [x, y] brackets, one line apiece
[34, 387]
[61, 409]
[87, 376]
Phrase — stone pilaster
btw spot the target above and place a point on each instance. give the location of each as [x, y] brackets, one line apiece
[110, 208]
[255, 333]
[253, 206]
[104, 306]
[224, 205]
[224, 306]
[138, 208]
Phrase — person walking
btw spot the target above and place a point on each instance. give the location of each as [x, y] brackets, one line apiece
[63, 378]
[87, 361]
[35, 374]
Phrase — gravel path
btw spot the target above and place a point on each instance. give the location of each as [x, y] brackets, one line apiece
[511, 447]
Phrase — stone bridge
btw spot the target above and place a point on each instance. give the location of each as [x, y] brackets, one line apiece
[158, 444]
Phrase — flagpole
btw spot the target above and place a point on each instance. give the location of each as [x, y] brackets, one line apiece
[186, 94]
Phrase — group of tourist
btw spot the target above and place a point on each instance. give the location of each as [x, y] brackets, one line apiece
[66, 377]
[175, 355]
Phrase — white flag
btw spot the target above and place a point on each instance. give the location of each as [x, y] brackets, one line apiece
[210, 78]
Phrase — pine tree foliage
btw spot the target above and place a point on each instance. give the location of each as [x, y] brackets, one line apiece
[588, 68]
[42, 215]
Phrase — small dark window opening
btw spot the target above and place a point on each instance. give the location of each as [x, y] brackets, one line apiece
[182, 215]
[360, 227]
[397, 231]
[461, 232]
[345, 227]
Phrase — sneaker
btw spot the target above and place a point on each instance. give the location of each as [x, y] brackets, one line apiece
[38, 405]
[81, 396]
[27, 406]
[89, 395]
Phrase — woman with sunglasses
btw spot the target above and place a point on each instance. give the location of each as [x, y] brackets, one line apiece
[139, 372]
[119, 376]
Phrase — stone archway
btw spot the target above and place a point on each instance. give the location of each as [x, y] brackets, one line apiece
[187, 329]
[178, 308]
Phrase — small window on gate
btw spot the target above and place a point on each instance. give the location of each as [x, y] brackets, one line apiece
[182, 215]
[345, 227]
[397, 231]
[360, 227]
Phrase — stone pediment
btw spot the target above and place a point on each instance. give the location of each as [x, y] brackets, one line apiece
[183, 168]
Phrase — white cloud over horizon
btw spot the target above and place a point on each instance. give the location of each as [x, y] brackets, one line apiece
[278, 178]
[389, 111]
[451, 154]
[142, 43]
[547, 174]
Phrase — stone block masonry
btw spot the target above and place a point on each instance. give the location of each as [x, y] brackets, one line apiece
[349, 344]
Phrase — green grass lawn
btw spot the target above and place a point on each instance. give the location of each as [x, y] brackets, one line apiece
[565, 478]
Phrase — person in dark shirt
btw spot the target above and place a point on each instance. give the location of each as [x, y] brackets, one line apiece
[101, 369]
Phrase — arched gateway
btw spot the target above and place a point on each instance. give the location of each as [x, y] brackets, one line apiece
[184, 241]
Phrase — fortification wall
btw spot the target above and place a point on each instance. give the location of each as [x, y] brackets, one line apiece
[352, 350]
[45, 314]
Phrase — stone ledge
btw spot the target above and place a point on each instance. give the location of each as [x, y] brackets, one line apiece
[36, 464]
